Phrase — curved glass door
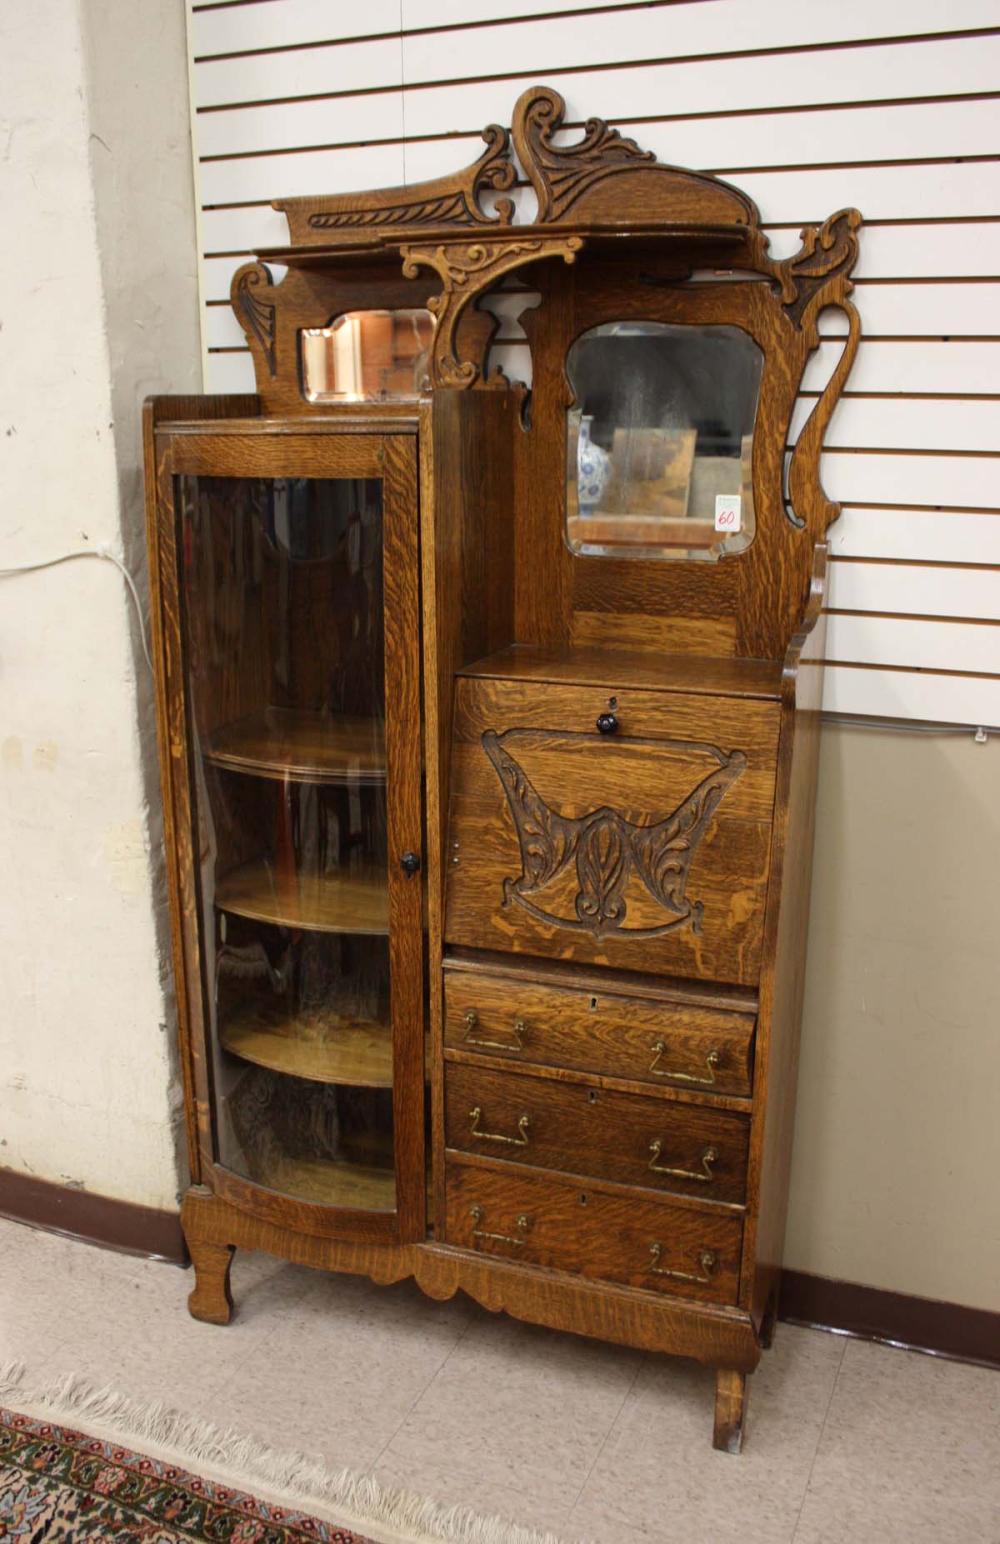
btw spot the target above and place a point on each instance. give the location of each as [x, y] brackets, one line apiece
[282, 590]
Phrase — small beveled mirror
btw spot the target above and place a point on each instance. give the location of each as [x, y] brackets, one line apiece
[659, 441]
[368, 356]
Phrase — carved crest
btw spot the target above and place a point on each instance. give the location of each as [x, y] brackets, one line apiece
[560, 173]
[567, 178]
[607, 850]
[590, 195]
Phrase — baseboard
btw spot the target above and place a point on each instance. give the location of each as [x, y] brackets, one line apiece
[947, 1329]
[141, 1230]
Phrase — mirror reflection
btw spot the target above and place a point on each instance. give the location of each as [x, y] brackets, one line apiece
[659, 440]
[368, 356]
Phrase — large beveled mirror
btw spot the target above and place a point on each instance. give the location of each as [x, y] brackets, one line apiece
[659, 440]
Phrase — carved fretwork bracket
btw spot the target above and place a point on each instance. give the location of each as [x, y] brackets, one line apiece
[256, 314]
[467, 269]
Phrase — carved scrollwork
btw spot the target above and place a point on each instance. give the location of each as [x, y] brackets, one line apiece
[452, 200]
[607, 849]
[809, 503]
[466, 270]
[828, 253]
[817, 277]
[560, 173]
[256, 315]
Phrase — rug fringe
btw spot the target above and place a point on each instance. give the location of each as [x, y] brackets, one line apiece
[233, 1458]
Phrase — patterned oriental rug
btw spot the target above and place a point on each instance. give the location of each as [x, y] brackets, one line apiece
[58, 1484]
[69, 1471]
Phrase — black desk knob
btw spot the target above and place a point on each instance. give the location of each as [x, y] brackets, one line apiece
[607, 724]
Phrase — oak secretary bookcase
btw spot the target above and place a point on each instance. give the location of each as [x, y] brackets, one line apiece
[488, 724]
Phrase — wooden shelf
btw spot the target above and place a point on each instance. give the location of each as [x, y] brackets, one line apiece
[375, 246]
[640, 533]
[590, 665]
[322, 1047]
[351, 901]
[355, 1185]
[289, 745]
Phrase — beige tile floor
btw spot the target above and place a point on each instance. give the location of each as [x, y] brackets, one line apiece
[847, 1443]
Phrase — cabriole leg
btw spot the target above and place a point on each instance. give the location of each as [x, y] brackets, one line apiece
[211, 1299]
[730, 1409]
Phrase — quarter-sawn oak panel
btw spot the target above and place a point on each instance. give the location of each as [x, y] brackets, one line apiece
[663, 1044]
[614, 1238]
[656, 1143]
[644, 849]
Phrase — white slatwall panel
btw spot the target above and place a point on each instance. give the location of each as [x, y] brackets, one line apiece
[890, 105]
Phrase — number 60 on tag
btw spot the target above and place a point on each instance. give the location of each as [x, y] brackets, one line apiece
[727, 512]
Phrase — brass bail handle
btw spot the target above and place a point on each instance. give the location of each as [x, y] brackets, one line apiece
[659, 1048]
[520, 1029]
[522, 1224]
[475, 1115]
[704, 1175]
[707, 1260]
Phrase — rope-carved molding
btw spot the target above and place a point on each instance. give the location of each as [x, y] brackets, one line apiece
[452, 201]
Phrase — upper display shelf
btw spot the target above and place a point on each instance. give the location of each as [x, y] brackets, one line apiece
[440, 246]
[603, 183]
[384, 246]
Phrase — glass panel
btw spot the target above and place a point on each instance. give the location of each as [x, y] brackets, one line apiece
[368, 356]
[282, 595]
[659, 442]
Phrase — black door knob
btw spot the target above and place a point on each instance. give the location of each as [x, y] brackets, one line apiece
[607, 724]
[410, 864]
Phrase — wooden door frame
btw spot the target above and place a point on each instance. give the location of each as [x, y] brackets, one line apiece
[370, 449]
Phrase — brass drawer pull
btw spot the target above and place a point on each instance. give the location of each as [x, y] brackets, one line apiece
[704, 1175]
[523, 1224]
[711, 1062]
[520, 1030]
[708, 1260]
[496, 1136]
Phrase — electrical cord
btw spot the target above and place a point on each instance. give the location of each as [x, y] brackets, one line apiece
[101, 551]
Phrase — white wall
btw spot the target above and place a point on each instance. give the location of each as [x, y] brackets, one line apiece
[98, 307]
[897, 1136]
[881, 104]
[897, 1142]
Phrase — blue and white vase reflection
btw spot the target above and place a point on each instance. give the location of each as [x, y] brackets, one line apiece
[592, 467]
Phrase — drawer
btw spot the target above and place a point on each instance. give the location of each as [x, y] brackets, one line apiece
[646, 849]
[657, 1143]
[551, 1222]
[660, 1043]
